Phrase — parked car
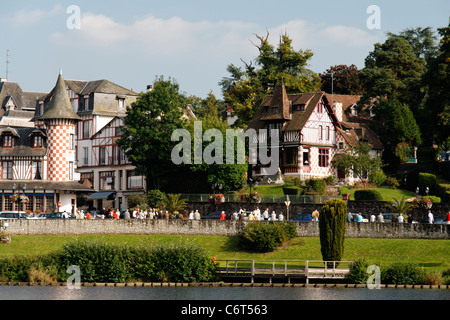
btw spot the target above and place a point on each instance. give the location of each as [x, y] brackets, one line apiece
[58, 215]
[40, 216]
[13, 215]
[437, 220]
[302, 217]
[390, 217]
[214, 215]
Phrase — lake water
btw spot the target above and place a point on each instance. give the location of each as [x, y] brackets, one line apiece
[216, 293]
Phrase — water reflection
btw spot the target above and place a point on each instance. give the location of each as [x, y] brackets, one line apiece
[216, 293]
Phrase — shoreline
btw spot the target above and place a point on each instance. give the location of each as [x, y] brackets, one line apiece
[227, 284]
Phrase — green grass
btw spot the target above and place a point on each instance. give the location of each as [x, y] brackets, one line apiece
[431, 254]
[388, 194]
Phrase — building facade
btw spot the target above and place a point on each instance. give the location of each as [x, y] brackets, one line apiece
[311, 132]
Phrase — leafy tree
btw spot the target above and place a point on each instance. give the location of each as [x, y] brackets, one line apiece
[422, 40]
[245, 89]
[392, 70]
[436, 111]
[359, 161]
[155, 198]
[147, 131]
[345, 80]
[332, 229]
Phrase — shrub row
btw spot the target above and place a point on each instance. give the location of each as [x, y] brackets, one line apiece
[398, 273]
[368, 195]
[103, 262]
[265, 237]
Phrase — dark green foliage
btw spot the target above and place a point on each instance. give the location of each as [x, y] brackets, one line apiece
[332, 229]
[265, 237]
[155, 198]
[103, 262]
[292, 190]
[316, 185]
[182, 263]
[358, 273]
[368, 195]
[402, 273]
[427, 180]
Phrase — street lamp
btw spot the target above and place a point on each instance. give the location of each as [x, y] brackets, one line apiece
[287, 203]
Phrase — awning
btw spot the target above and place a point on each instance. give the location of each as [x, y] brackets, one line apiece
[102, 195]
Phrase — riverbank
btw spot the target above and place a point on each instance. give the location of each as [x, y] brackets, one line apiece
[228, 284]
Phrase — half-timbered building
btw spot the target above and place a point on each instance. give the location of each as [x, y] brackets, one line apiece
[311, 132]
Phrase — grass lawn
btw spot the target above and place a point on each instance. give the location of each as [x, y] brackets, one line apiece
[388, 194]
[431, 254]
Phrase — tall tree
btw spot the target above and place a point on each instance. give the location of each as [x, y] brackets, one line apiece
[436, 111]
[342, 79]
[245, 88]
[392, 70]
[147, 131]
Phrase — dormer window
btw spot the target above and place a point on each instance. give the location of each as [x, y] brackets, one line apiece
[121, 103]
[37, 141]
[354, 111]
[8, 141]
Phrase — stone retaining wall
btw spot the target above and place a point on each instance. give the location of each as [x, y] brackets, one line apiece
[215, 228]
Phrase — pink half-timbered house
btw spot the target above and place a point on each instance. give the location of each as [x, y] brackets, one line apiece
[311, 132]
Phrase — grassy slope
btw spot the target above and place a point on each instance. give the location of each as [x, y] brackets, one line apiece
[432, 254]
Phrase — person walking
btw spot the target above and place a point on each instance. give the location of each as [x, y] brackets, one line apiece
[372, 217]
[448, 217]
[274, 216]
[126, 215]
[266, 214]
[430, 217]
[281, 216]
[380, 218]
[222, 216]
[400, 218]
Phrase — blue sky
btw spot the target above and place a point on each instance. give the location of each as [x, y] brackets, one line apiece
[131, 42]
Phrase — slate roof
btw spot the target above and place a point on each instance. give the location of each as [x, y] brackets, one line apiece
[23, 142]
[295, 120]
[60, 106]
[23, 100]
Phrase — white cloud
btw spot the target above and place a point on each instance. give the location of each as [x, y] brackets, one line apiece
[28, 17]
[158, 37]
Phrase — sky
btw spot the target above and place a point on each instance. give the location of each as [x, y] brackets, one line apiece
[133, 42]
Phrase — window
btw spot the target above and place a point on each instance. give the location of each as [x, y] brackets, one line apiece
[71, 170]
[133, 181]
[119, 132]
[107, 179]
[37, 170]
[306, 158]
[328, 133]
[121, 103]
[115, 154]
[7, 141]
[103, 155]
[323, 158]
[87, 127]
[7, 170]
[320, 133]
[86, 156]
[37, 141]
[72, 142]
[320, 107]
[340, 145]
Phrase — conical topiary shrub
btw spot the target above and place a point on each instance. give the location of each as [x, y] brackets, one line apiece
[332, 229]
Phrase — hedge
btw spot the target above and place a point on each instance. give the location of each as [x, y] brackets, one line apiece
[370, 195]
[316, 185]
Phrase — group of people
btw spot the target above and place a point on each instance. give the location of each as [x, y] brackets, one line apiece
[253, 215]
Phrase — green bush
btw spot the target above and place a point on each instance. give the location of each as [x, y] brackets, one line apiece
[378, 177]
[316, 185]
[392, 182]
[358, 272]
[368, 195]
[182, 263]
[332, 229]
[427, 180]
[265, 237]
[291, 190]
[402, 273]
[103, 262]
